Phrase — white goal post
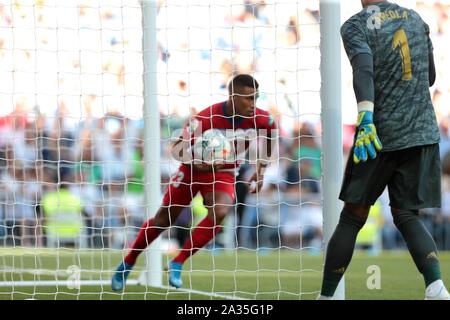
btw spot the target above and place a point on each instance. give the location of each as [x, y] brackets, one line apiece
[153, 275]
[331, 95]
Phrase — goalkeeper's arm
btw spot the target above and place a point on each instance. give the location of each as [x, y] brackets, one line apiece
[363, 85]
[367, 142]
[431, 69]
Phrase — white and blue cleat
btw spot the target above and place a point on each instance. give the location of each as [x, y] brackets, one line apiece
[175, 274]
[120, 276]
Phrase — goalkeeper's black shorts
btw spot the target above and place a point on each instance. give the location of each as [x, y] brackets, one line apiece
[413, 178]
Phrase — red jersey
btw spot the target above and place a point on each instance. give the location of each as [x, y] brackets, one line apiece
[215, 117]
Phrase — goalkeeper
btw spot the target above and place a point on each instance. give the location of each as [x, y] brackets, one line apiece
[216, 182]
[396, 140]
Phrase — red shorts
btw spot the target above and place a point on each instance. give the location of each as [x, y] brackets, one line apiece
[185, 184]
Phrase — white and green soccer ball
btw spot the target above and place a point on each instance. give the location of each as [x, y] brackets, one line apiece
[212, 147]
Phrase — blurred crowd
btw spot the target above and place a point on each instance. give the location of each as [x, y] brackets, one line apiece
[71, 126]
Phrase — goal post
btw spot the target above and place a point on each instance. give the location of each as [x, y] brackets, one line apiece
[152, 276]
[331, 97]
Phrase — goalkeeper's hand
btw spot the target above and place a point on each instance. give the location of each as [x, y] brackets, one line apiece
[367, 141]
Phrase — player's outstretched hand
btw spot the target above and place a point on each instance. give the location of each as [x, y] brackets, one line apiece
[256, 182]
[367, 143]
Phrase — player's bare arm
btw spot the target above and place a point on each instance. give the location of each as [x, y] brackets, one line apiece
[264, 156]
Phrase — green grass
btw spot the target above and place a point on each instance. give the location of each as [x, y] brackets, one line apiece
[281, 274]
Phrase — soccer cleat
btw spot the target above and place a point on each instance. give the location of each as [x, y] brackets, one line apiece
[120, 276]
[437, 291]
[175, 274]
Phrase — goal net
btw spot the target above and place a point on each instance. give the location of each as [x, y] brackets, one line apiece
[73, 133]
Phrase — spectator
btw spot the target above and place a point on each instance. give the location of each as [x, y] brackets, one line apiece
[20, 195]
[62, 217]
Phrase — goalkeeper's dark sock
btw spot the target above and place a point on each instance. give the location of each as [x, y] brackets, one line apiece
[203, 233]
[339, 251]
[146, 235]
[420, 244]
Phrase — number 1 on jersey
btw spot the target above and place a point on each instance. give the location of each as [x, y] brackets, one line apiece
[400, 40]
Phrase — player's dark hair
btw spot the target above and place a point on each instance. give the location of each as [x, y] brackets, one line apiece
[242, 80]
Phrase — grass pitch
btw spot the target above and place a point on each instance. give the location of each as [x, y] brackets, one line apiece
[279, 274]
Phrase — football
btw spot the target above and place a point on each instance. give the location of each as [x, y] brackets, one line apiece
[212, 147]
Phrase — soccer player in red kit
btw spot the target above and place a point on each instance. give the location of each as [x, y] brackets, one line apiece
[215, 181]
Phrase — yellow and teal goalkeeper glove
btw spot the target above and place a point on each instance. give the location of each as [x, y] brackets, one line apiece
[367, 141]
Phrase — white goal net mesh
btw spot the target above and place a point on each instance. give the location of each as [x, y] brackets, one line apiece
[72, 141]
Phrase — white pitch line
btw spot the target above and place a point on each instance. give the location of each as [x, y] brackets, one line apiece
[42, 283]
[211, 294]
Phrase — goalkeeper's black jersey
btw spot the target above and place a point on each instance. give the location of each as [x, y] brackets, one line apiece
[398, 39]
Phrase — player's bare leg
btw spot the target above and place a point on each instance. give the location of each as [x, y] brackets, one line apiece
[148, 232]
[341, 246]
[423, 251]
[218, 204]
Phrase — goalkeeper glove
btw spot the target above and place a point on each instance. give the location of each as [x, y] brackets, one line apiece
[367, 141]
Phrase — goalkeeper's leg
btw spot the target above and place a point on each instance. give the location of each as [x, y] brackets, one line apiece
[423, 251]
[218, 204]
[341, 246]
[148, 232]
